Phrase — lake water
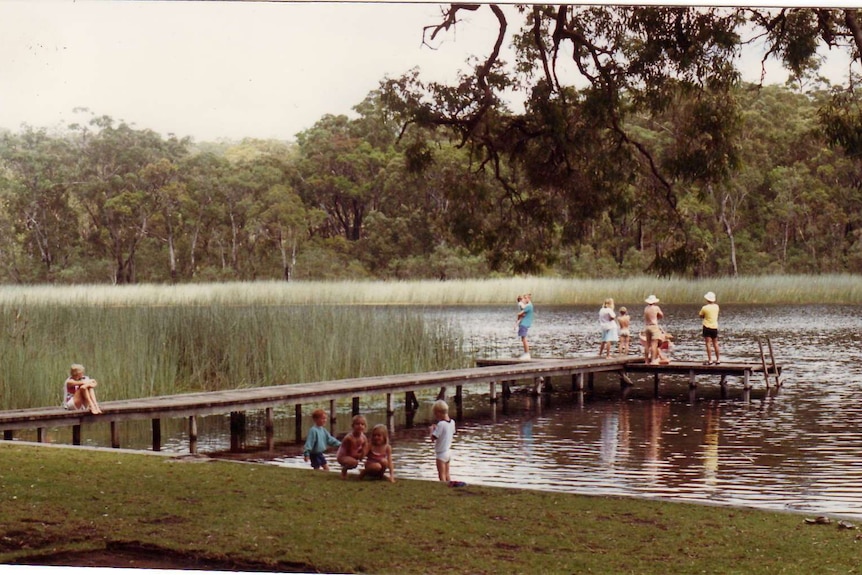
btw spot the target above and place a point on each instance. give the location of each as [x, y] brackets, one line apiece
[798, 448]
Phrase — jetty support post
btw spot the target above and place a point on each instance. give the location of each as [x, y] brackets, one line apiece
[655, 383]
[76, 434]
[193, 434]
[591, 380]
[157, 435]
[692, 380]
[115, 435]
[269, 428]
[579, 381]
[410, 401]
[332, 415]
[40, 434]
[492, 391]
[459, 389]
[297, 418]
[237, 430]
[442, 394]
[390, 405]
[354, 410]
[8, 435]
[723, 385]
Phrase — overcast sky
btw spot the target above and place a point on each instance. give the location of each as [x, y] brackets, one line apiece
[214, 70]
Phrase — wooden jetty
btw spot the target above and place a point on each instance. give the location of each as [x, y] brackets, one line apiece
[489, 372]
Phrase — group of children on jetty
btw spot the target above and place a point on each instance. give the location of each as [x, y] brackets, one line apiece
[616, 329]
[376, 453]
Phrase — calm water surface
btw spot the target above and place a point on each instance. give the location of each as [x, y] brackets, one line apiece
[798, 448]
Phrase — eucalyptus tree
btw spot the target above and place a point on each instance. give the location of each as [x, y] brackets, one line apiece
[36, 197]
[117, 169]
[586, 71]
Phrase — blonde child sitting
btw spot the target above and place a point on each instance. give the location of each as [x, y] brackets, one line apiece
[80, 393]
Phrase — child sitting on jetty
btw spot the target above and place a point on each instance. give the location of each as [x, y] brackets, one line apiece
[80, 393]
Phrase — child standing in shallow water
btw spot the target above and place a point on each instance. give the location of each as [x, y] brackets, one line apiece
[318, 440]
[80, 392]
[353, 447]
[442, 433]
[379, 456]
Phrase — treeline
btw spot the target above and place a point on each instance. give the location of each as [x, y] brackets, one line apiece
[355, 197]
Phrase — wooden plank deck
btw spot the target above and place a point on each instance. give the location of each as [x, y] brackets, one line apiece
[219, 402]
[488, 371]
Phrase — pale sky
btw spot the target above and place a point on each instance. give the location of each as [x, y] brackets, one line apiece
[213, 70]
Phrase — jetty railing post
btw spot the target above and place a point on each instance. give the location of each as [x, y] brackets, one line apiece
[76, 434]
[157, 434]
[115, 435]
[193, 434]
[297, 416]
[763, 363]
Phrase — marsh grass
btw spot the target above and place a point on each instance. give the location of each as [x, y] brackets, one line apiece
[782, 289]
[280, 516]
[158, 350]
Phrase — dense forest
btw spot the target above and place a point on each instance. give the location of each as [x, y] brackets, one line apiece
[660, 162]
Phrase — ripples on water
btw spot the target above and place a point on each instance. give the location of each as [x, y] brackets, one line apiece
[797, 449]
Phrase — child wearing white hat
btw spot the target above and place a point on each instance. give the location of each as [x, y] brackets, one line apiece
[709, 314]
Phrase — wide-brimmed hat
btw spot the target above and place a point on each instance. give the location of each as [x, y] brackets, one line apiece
[651, 299]
[709, 296]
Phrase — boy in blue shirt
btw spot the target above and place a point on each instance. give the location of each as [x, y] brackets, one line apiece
[318, 440]
[525, 320]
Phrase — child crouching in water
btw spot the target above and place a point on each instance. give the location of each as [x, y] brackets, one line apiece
[379, 456]
[354, 446]
[80, 392]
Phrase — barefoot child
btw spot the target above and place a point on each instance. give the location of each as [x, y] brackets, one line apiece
[442, 433]
[354, 446]
[625, 320]
[709, 314]
[319, 439]
[80, 392]
[379, 457]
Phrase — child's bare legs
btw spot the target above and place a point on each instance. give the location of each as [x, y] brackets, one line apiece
[86, 397]
[373, 469]
[712, 345]
[347, 463]
[623, 348]
[526, 344]
[443, 470]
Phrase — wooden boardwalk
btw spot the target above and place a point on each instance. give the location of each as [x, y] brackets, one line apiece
[489, 372]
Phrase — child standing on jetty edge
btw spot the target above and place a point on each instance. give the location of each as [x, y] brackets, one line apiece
[318, 440]
[525, 320]
[709, 314]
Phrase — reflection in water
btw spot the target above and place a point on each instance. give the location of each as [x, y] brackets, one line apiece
[799, 448]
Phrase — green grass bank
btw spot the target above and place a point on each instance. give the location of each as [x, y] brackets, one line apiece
[56, 499]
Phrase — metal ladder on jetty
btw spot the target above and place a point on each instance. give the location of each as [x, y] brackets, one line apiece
[763, 360]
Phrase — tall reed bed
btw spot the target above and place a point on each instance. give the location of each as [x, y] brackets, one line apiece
[788, 289]
[139, 351]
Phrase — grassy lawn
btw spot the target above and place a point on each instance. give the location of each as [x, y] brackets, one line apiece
[55, 499]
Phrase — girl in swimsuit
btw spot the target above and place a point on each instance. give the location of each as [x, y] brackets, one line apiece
[379, 456]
